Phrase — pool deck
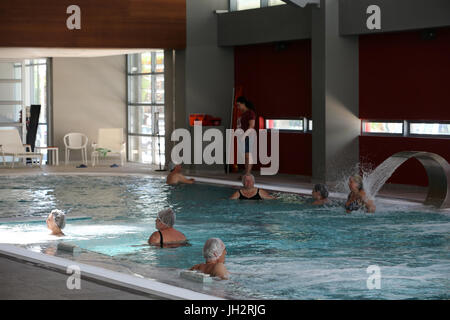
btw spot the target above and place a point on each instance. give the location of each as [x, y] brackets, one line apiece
[28, 279]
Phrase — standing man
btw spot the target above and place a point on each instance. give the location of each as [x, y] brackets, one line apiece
[248, 119]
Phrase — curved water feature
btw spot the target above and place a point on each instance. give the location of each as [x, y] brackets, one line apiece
[438, 172]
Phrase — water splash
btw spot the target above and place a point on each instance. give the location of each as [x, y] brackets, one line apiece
[373, 179]
[378, 177]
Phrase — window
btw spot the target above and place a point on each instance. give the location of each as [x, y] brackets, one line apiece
[378, 127]
[427, 128]
[276, 2]
[248, 4]
[310, 125]
[237, 5]
[145, 125]
[36, 84]
[11, 93]
[282, 124]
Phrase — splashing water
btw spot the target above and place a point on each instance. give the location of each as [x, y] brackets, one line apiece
[378, 177]
[373, 179]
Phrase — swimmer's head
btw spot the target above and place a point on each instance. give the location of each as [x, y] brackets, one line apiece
[248, 180]
[320, 190]
[355, 183]
[166, 217]
[213, 250]
[174, 166]
[56, 218]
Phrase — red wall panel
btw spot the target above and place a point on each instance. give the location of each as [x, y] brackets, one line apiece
[295, 153]
[375, 150]
[276, 80]
[403, 76]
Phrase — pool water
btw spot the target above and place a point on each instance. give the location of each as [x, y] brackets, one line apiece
[279, 249]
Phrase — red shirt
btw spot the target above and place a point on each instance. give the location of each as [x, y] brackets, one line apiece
[245, 119]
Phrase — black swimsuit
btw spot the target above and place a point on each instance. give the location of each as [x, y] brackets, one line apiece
[161, 241]
[171, 245]
[255, 197]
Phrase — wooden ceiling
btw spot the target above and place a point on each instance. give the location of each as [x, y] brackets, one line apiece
[104, 24]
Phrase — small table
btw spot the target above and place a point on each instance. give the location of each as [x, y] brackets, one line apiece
[55, 153]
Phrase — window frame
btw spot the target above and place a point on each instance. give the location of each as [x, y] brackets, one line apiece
[129, 76]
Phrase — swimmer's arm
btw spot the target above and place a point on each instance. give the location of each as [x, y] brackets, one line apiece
[183, 179]
[235, 195]
[154, 238]
[370, 205]
[196, 267]
[221, 271]
[265, 195]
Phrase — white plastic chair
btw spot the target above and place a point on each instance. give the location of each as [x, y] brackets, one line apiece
[76, 141]
[11, 145]
[110, 139]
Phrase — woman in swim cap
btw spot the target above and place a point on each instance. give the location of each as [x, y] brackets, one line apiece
[56, 221]
[320, 194]
[214, 252]
[166, 235]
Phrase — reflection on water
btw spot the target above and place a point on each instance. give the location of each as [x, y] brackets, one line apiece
[281, 249]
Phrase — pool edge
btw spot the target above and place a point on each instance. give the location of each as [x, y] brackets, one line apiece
[118, 279]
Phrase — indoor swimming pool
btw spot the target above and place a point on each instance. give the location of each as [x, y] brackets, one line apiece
[277, 249]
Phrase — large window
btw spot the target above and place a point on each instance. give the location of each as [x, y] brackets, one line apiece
[146, 107]
[23, 83]
[36, 92]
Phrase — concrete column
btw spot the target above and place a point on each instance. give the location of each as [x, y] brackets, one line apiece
[209, 77]
[174, 88]
[200, 78]
[335, 97]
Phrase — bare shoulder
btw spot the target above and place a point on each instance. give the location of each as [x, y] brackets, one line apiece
[265, 194]
[235, 195]
[154, 238]
[180, 236]
[220, 271]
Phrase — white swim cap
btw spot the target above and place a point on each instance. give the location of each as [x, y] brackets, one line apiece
[60, 218]
[213, 249]
[167, 217]
[171, 166]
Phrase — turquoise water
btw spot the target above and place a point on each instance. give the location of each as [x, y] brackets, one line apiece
[280, 249]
